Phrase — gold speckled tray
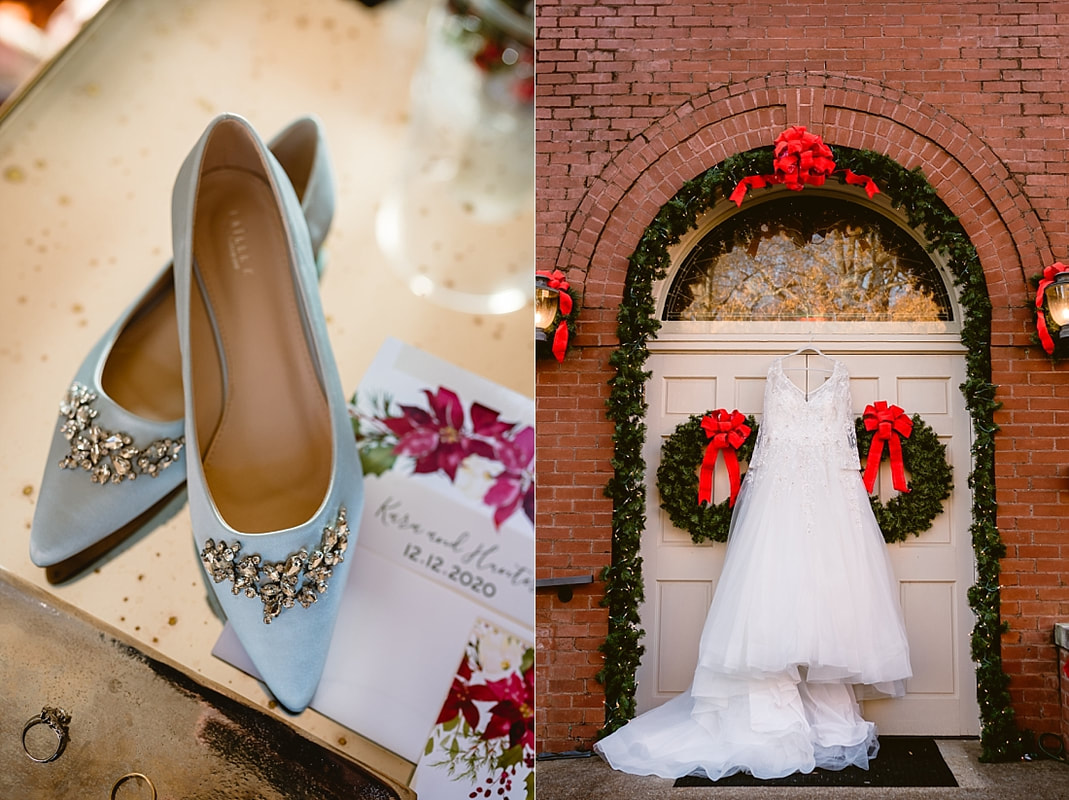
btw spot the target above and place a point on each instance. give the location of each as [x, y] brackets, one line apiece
[134, 711]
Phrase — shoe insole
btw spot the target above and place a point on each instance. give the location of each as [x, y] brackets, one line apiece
[262, 418]
[143, 371]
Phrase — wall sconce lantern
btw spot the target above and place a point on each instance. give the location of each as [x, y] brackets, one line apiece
[1052, 305]
[546, 305]
[553, 310]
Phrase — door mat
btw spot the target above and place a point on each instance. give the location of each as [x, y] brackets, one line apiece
[902, 761]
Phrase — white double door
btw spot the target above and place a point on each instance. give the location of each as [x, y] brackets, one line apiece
[934, 570]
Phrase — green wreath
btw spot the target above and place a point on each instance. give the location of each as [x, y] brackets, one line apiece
[904, 515]
[925, 459]
[677, 480]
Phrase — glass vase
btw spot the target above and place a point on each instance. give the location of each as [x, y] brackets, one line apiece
[458, 224]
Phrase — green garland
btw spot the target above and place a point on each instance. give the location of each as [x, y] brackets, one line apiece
[904, 515]
[910, 192]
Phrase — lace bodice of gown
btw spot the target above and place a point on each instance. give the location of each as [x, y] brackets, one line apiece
[818, 429]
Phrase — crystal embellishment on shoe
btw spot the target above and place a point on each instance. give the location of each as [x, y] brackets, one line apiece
[276, 584]
[108, 456]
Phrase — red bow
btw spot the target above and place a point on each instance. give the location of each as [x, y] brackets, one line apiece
[1049, 274]
[886, 421]
[727, 432]
[557, 280]
[801, 159]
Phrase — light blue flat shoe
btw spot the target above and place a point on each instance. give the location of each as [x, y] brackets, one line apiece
[117, 452]
[274, 480]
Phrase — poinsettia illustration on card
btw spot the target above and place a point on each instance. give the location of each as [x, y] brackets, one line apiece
[469, 444]
[482, 744]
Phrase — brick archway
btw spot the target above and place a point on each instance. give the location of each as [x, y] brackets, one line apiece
[593, 242]
[968, 175]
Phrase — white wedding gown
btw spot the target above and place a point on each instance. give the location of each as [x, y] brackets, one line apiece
[805, 612]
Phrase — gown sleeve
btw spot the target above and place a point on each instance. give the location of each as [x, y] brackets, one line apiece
[758, 458]
[847, 455]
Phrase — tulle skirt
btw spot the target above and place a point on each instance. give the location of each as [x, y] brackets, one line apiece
[806, 612]
[769, 727]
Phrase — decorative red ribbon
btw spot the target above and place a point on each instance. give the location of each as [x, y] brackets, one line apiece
[854, 179]
[726, 432]
[1049, 274]
[801, 159]
[886, 421]
[557, 280]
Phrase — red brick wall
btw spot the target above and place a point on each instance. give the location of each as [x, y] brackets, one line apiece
[635, 98]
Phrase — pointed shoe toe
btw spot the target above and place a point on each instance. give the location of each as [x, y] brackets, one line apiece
[280, 593]
[274, 481]
[124, 406]
[116, 450]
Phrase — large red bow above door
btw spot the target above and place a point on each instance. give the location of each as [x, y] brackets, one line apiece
[801, 159]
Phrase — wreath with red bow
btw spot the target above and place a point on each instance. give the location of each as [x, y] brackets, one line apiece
[689, 454]
[678, 478]
[924, 458]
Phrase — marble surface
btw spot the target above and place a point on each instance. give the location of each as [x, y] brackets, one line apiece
[87, 161]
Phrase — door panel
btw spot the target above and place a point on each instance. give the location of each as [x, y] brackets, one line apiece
[934, 569]
[931, 652]
[680, 629]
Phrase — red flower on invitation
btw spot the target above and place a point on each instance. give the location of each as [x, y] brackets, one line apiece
[436, 439]
[486, 422]
[441, 437]
[462, 697]
[515, 485]
[513, 716]
[484, 736]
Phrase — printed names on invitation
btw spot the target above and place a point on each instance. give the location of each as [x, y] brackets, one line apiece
[454, 545]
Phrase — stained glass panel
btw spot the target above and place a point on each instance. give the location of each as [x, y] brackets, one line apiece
[804, 257]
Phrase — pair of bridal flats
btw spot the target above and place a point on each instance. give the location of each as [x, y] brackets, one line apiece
[221, 375]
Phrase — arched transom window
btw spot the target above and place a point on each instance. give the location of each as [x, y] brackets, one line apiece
[804, 256]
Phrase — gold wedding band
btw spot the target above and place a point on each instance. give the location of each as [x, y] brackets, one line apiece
[129, 776]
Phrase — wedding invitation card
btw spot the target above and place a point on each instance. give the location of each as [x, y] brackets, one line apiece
[485, 728]
[442, 573]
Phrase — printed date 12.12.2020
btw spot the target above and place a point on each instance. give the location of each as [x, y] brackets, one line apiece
[454, 572]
